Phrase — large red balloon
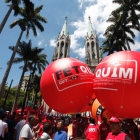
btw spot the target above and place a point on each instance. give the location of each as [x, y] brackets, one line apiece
[89, 105]
[117, 83]
[67, 85]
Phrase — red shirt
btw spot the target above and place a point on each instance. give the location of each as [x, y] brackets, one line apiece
[74, 129]
[92, 132]
[104, 130]
[40, 130]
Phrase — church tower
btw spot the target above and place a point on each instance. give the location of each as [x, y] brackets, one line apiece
[91, 48]
[62, 49]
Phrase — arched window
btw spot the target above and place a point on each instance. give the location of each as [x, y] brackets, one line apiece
[92, 47]
[61, 49]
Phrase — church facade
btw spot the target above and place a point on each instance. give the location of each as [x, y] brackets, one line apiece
[92, 54]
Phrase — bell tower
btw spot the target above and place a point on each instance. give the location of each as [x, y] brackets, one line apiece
[91, 48]
[62, 49]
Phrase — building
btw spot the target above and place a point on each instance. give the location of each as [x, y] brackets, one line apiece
[24, 82]
[62, 49]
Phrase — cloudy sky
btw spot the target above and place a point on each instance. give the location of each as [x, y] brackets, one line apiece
[55, 11]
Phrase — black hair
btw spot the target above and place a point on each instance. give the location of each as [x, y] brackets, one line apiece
[62, 122]
[30, 117]
[47, 127]
[92, 120]
[78, 116]
[4, 115]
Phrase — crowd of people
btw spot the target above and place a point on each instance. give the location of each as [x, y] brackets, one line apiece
[47, 127]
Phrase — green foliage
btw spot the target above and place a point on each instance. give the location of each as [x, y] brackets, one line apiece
[11, 97]
[120, 33]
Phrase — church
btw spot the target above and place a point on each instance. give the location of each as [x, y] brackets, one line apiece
[92, 52]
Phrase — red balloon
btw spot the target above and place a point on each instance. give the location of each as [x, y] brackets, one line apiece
[116, 83]
[89, 105]
[67, 85]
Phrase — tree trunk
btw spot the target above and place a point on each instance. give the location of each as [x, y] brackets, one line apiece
[19, 86]
[9, 65]
[35, 100]
[26, 94]
[6, 17]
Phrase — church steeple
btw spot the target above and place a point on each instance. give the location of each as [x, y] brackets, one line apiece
[64, 30]
[62, 49]
[91, 47]
[90, 28]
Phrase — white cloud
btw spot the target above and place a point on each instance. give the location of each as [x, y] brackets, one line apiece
[41, 42]
[136, 46]
[80, 52]
[99, 11]
[52, 42]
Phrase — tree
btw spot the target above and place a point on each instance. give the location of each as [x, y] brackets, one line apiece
[31, 19]
[119, 34]
[14, 5]
[26, 54]
[39, 63]
[133, 8]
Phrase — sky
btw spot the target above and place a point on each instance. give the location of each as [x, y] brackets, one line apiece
[55, 11]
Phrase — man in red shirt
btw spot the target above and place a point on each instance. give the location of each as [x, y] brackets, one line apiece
[104, 129]
[92, 131]
[116, 134]
[77, 130]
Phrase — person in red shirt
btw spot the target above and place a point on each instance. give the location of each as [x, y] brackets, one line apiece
[115, 127]
[92, 131]
[104, 129]
[77, 130]
[40, 130]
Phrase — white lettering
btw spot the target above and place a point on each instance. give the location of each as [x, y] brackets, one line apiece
[98, 73]
[114, 74]
[83, 69]
[125, 74]
[108, 72]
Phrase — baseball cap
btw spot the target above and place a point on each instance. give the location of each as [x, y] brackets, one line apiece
[114, 119]
[44, 121]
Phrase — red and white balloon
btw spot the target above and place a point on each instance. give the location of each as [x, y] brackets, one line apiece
[67, 85]
[116, 83]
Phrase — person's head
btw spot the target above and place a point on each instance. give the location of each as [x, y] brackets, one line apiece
[104, 120]
[115, 125]
[60, 125]
[78, 117]
[32, 119]
[3, 116]
[91, 120]
[47, 127]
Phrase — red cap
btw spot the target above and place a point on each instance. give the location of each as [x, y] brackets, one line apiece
[114, 119]
[44, 121]
[24, 117]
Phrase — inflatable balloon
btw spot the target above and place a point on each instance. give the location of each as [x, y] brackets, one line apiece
[89, 105]
[98, 110]
[116, 83]
[67, 85]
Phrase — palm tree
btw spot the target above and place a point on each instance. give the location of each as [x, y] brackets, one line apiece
[132, 7]
[26, 53]
[36, 87]
[39, 62]
[31, 19]
[13, 6]
[118, 34]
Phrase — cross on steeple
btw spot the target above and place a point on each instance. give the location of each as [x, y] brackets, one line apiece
[89, 17]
